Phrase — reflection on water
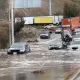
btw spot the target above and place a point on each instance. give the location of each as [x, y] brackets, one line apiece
[56, 72]
[6, 78]
[21, 76]
[21, 67]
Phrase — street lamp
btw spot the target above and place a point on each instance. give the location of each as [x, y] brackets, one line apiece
[50, 8]
[12, 20]
[9, 23]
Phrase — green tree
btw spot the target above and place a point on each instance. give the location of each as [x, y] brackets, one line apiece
[70, 10]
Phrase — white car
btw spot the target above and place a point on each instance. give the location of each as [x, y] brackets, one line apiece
[75, 45]
[58, 30]
[48, 26]
[56, 45]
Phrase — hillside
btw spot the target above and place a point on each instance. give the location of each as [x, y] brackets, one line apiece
[57, 8]
[3, 9]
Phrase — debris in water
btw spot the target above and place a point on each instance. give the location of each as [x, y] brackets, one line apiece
[38, 71]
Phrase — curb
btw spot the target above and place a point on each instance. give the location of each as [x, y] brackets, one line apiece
[72, 75]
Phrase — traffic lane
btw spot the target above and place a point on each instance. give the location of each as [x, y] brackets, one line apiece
[48, 73]
[67, 54]
[47, 41]
[42, 50]
[38, 58]
[64, 55]
[17, 64]
[43, 44]
[20, 64]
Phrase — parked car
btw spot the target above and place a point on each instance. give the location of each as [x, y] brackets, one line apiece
[75, 45]
[58, 31]
[20, 47]
[45, 35]
[56, 45]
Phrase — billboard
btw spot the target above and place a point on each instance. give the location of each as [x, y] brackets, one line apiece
[42, 20]
[27, 3]
[28, 20]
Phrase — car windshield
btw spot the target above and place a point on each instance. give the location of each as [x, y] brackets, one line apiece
[17, 45]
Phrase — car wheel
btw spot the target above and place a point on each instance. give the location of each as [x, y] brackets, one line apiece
[18, 52]
[40, 37]
[57, 48]
[50, 32]
[51, 48]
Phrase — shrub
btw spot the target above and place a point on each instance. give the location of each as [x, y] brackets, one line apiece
[70, 10]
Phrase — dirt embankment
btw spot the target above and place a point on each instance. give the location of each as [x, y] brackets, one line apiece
[28, 33]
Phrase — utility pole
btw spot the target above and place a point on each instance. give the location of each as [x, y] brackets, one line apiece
[12, 20]
[9, 23]
[50, 8]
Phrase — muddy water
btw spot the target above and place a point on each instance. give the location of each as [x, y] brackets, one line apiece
[36, 66]
[52, 73]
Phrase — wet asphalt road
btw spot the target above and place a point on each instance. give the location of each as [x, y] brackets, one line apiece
[40, 64]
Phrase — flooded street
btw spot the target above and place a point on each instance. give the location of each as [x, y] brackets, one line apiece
[47, 66]
[39, 64]
[39, 40]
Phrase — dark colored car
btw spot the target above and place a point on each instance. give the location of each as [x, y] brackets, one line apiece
[20, 47]
[45, 34]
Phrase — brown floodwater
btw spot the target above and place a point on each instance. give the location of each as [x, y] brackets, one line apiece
[46, 66]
